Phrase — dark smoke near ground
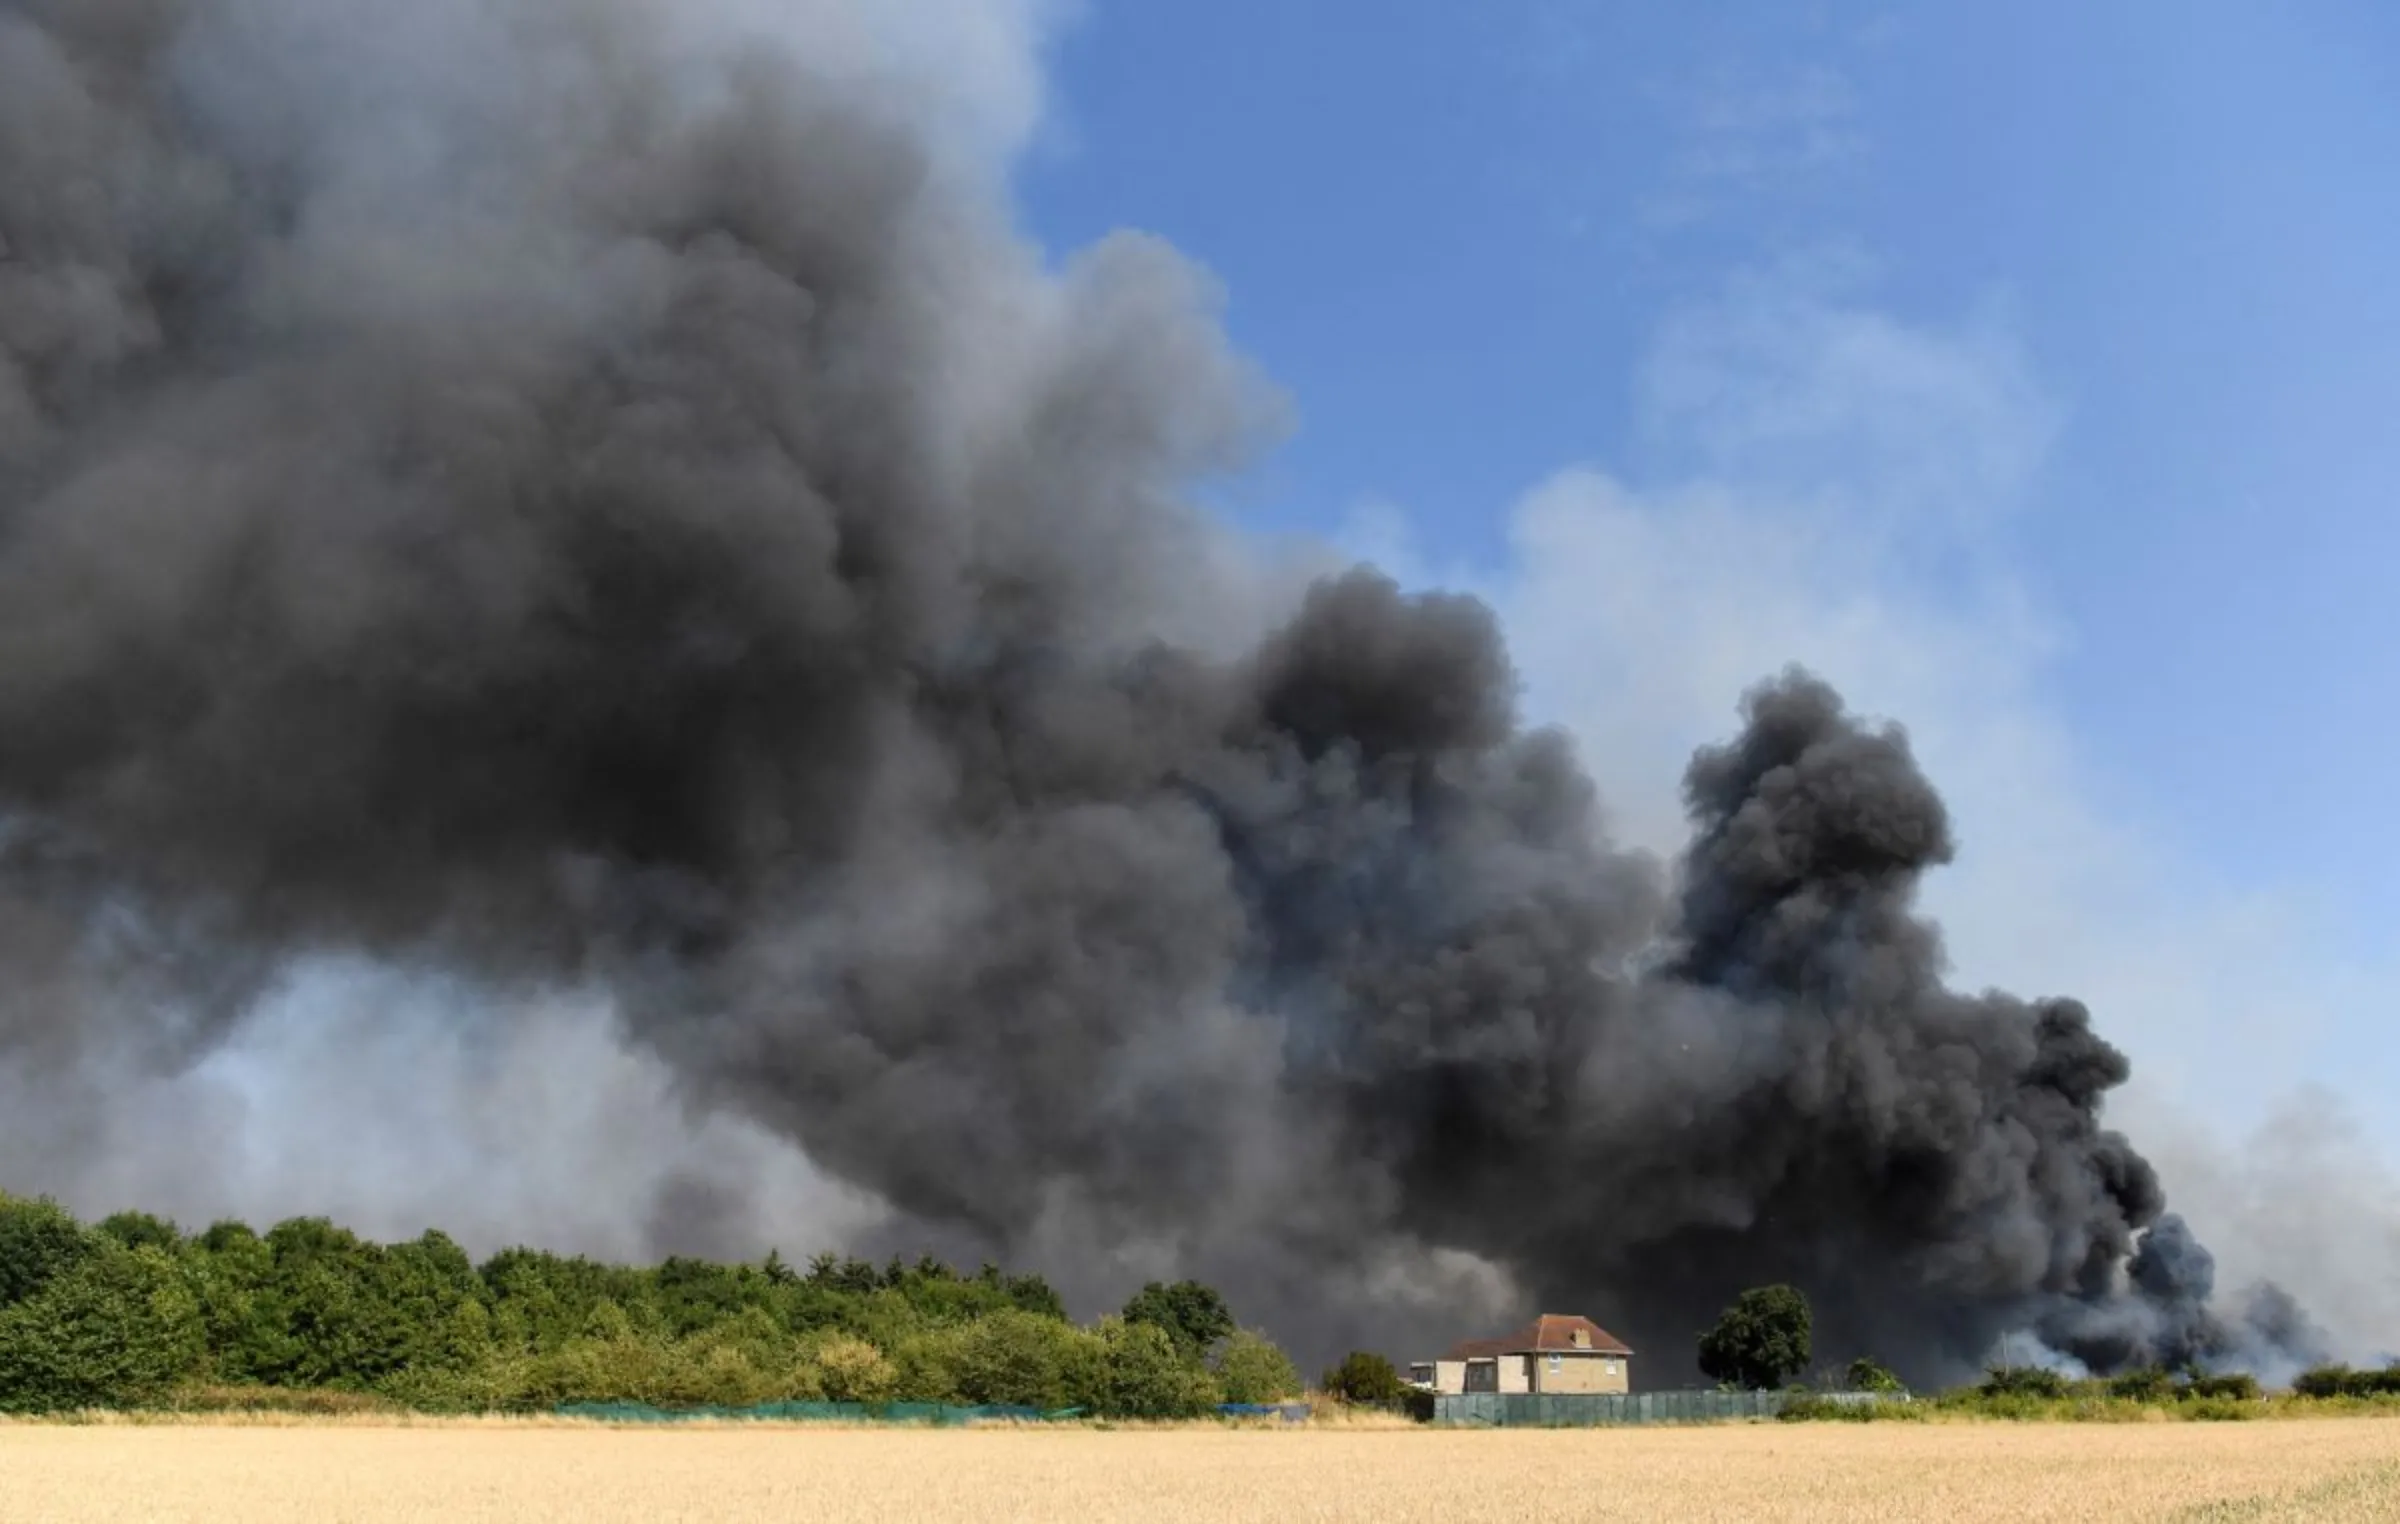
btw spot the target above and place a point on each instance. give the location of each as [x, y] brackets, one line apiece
[504, 493]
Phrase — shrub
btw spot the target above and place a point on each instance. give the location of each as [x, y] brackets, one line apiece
[117, 1329]
[724, 1375]
[625, 1369]
[1143, 1374]
[1026, 1359]
[925, 1366]
[852, 1370]
[316, 1402]
[2024, 1381]
[2323, 1381]
[498, 1384]
[1365, 1379]
[1252, 1369]
[1813, 1408]
[2239, 1386]
[1867, 1374]
[38, 1242]
[2148, 1384]
[2342, 1381]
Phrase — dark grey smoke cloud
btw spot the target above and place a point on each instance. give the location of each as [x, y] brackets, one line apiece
[497, 492]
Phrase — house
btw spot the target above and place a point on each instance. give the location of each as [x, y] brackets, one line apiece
[1553, 1353]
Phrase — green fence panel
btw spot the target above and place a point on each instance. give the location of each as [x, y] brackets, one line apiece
[1580, 1410]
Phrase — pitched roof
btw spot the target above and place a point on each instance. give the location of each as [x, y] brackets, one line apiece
[1552, 1332]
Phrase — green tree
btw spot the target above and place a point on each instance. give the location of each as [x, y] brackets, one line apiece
[2023, 1381]
[120, 1313]
[1760, 1342]
[38, 1241]
[852, 1370]
[1145, 1374]
[1021, 1359]
[232, 1273]
[1193, 1315]
[1868, 1374]
[1031, 1293]
[925, 1365]
[1365, 1379]
[2240, 1385]
[137, 1230]
[117, 1329]
[1252, 1369]
[540, 1301]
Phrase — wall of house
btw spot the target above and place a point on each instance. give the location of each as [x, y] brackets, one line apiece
[1579, 1372]
[1516, 1373]
[1449, 1375]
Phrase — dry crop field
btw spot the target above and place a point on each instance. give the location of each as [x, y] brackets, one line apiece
[468, 1473]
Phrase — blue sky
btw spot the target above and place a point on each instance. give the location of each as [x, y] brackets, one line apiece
[2024, 368]
[1451, 232]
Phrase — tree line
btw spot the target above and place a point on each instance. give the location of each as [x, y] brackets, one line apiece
[133, 1311]
[1764, 1341]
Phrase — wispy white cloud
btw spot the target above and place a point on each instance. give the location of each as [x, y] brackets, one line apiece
[1661, 139]
[1793, 382]
[1741, 131]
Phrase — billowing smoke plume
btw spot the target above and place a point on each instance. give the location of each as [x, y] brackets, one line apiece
[506, 490]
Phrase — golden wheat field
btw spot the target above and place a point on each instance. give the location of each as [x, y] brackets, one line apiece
[466, 1474]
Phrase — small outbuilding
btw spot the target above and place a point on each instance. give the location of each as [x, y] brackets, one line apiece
[1553, 1353]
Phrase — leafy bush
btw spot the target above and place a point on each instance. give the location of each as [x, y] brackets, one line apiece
[925, 1366]
[2323, 1381]
[2238, 1386]
[1365, 1379]
[318, 1402]
[1867, 1374]
[852, 1370]
[1814, 1408]
[38, 1241]
[2147, 1384]
[1023, 1359]
[2342, 1381]
[1251, 1368]
[2024, 1381]
[117, 1328]
[1144, 1374]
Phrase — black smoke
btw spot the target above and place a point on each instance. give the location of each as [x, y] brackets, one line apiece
[503, 493]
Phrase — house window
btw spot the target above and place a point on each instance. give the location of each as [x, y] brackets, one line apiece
[1554, 1365]
[1609, 1365]
[1483, 1376]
